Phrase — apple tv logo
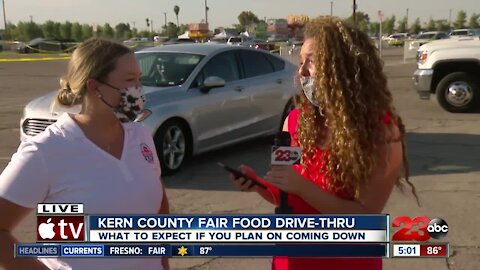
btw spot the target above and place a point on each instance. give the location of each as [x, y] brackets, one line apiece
[46, 230]
[56, 223]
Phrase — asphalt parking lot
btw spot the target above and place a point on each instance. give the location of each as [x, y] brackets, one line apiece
[442, 151]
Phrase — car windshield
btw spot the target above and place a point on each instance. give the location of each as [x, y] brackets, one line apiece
[166, 68]
[426, 36]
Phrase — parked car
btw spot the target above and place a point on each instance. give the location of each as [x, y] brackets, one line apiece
[47, 44]
[238, 40]
[178, 41]
[425, 38]
[397, 39]
[259, 44]
[200, 97]
[430, 36]
[449, 69]
[458, 33]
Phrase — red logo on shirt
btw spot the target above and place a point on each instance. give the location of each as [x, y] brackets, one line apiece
[146, 152]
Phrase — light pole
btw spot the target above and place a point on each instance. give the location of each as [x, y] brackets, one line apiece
[5, 19]
[406, 26]
[165, 24]
[450, 19]
[354, 12]
[331, 8]
[206, 12]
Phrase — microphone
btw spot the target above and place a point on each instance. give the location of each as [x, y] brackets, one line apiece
[284, 154]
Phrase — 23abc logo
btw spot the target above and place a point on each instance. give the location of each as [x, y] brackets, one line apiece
[435, 228]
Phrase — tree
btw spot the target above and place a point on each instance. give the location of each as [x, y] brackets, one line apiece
[77, 31]
[12, 31]
[461, 19]
[375, 29]
[182, 29]
[416, 27]
[170, 31]
[87, 31]
[66, 30]
[246, 18]
[431, 25]
[28, 31]
[442, 25]
[176, 9]
[362, 21]
[473, 22]
[48, 29]
[238, 28]
[134, 32]
[389, 25]
[56, 29]
[261, 29]
[107, 31]
[121, 31]
[402, 25]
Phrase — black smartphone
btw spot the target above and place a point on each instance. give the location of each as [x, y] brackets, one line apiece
[239, 174]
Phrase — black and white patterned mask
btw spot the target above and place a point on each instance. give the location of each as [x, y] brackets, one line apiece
[308, 88]
[131, 105]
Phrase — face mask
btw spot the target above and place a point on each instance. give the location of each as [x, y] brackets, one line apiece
[131, 104]
[309, 89]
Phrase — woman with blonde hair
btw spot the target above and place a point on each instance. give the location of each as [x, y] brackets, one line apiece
[351, 137]
[98, 157]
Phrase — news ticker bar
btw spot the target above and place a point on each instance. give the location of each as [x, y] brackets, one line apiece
[424, 250]
[187, 250]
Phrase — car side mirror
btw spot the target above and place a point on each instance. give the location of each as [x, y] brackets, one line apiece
[210, 83]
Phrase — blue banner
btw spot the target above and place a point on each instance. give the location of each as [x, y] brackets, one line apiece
[37, 250]
[192, 222]
[118, 250]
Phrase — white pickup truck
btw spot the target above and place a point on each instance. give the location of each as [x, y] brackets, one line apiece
[450, 69]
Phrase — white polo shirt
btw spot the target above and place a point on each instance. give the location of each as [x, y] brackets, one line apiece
[61, 165]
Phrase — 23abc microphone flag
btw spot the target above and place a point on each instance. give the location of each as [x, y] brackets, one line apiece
[284, 154]
[282, 151]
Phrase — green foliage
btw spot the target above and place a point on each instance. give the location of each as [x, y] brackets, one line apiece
[431, 25]
[247, 18]
[402, 25]
[176, 10]
[474, 21]
[389, 25]
[77, 31]
[416, 27]
[362, 21]
[66, 30]
[442, 25]
[461, 19]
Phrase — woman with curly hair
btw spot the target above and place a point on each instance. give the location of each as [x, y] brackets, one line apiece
[351, 137]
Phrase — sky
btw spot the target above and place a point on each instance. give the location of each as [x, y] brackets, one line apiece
[222, 12]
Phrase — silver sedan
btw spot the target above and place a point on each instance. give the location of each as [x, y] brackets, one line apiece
[200, 97]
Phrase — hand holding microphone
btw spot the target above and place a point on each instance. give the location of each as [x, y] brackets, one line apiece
[282, 175]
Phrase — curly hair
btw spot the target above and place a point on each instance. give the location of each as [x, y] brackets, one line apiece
[353, 98]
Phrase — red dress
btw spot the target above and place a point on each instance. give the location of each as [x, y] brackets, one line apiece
[299, 206]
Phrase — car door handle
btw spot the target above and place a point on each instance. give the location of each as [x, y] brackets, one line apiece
[238, 88]
[279, 81]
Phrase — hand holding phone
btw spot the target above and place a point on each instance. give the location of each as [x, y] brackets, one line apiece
[238, 174]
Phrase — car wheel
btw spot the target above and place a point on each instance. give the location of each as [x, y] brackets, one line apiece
[172, 146]
[458, 92]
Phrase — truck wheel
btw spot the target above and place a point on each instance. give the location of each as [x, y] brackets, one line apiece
[458, 92]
